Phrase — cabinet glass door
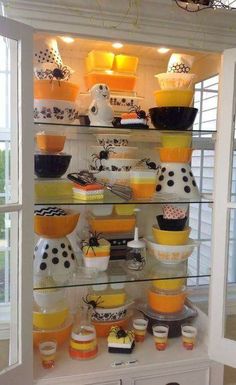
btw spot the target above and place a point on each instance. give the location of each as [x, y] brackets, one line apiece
[16, 202]
[223, 281]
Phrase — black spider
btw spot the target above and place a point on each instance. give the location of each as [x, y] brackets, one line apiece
[121, 333]
[104, 154]
[59, 73]
[139, 259]
[92, 303]
[92, 242]
[151, 165]
[141, 114]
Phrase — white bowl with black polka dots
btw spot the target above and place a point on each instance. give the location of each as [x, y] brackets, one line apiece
[177, 178]
[55, 258]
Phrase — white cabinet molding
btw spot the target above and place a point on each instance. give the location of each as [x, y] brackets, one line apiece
[159, 22]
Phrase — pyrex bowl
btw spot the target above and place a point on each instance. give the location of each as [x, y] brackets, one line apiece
[103, 327]
[52, 89]
[110, 314]
[166, 301]
[171, 254]
[55, 226]
[55, 111]
[165, 237]
[173, 118]
[51, 165]
[59, 334]
[50, 142]
[173, 98]
[169, 284]
[175, 155]
[50, 320]
[176, 139]
[48, 298]
[172, 81]
[171, 224]
[55, 259]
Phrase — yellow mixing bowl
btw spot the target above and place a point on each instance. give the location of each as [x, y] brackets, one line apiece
[174, 98]
[169, 284]
[49, 320]
[174, 140]
[164, 237]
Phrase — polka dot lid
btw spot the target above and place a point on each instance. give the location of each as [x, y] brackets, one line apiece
[55, 258]
[46, 51]
[177, 178]
[180, 63]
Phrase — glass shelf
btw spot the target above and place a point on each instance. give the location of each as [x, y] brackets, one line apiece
[82, 129]
[117, 272]
[110, 198]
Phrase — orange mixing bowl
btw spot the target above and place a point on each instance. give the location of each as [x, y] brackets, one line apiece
[60, 334]
[50, 143]
[103, 328]
[166, 302]
[177, 155]
[55, 226]
[52, 89]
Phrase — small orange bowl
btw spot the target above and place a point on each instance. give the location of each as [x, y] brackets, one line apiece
[55, 226]
[103, 328]
[177, 154]
[50, 143]
[52, 89]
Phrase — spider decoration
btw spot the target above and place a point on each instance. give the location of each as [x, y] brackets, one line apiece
[121, 333]
[92, 242]
[92, 304]
[141, 114]
[137, 260]
[59, 73]
[104, 154]
[150, 165]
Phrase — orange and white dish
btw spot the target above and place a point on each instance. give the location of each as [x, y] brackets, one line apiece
[90, 192]
[115, 152]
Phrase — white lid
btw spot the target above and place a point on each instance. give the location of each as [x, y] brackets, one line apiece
[136, 243]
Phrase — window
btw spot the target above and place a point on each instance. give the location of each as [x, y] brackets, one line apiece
[206, 100]
[4, 171]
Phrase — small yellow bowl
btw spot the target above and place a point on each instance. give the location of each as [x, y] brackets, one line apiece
[50, 143]
[173, 238]
[169, 284]
[174, 98]
[173, 140]
[51, 320]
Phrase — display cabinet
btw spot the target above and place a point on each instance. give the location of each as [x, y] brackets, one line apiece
[169, 367]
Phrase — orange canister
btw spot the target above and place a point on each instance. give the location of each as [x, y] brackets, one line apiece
[83, 343]
[166, 302]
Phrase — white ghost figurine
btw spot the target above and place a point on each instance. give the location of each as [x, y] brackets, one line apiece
[100, 110]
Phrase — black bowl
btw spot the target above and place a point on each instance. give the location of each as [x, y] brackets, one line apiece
[173, 118]
[51, 165]
[171, 224]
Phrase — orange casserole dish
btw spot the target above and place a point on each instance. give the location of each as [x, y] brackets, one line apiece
[112, 224]
[116, 82]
